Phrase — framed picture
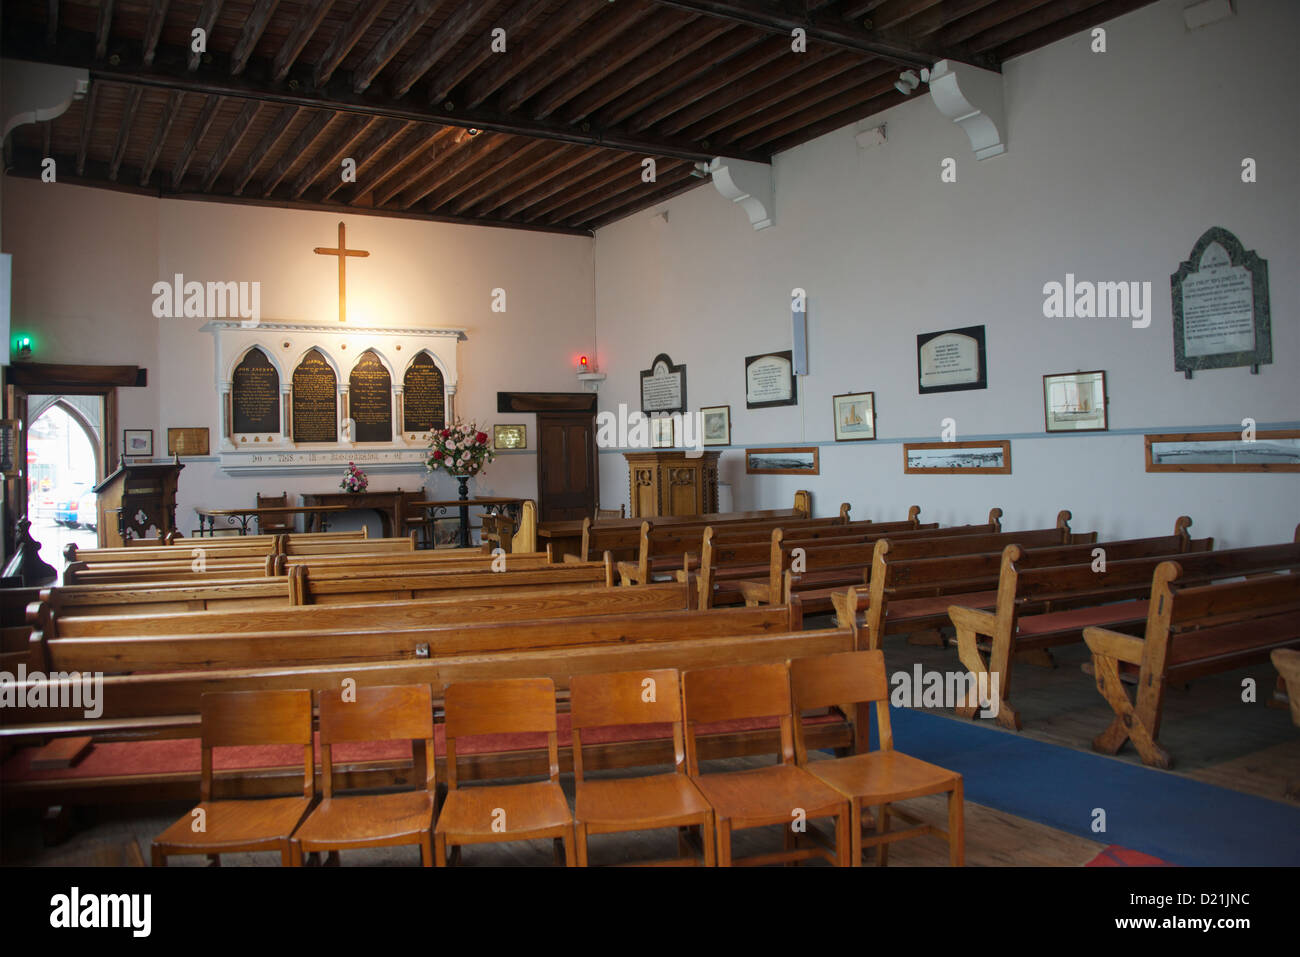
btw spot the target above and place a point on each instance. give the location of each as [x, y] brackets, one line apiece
[957, 458]
[1075, 402]
[769, 380]
[187, 441]
[951, 361]
[446, 533]
[663, 386]
[855, 416]
[137, 442]
[716, 425]
[661, 432]
[782, 461]
[509, 436]
[1277, 450]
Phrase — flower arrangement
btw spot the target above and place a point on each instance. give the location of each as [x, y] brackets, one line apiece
[461, 450]
[354, 480]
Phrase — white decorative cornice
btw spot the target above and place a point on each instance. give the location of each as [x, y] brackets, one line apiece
[749, 185]
[215, 325]
[971, 98]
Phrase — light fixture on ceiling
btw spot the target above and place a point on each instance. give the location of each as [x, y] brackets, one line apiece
[473, 131]
[908, 81]
[701, 170]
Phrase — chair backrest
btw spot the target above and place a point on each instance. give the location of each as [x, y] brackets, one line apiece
[736, 692]
[500, 706]
[386, 713]
[274, 523]
[611, 512]
[626, 697]
[235, 718]
[848, 678]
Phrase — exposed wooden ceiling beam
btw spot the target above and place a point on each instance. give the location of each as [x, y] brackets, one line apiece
[676, 188]
[102, 28]
[153, 28]
[822, 29]
[87, 121]
[352, 130]
[622, 169]
[420, 142]
[441, 43]
[524, 181]
[1028, 22]
[170, 112]
[297, 149]
[530, 154]
[452, 164]
[549, 190]
[842, 119]
[124, 131]
[264, 146]
[254, 27]
[208, 14]
[592, 206]
[382, 136]
[975, 23]
[474, 55]
[347, 37]
[406, 25]
[1068, 26]
[201, 127]
[845, 95]
[229, 143]
[303, 29]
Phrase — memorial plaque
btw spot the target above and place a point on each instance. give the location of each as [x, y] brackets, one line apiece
[255, 394]
[315, 400]
[951, 361]
[769, 380]
[370, 399]
[663, 386]
[1220, 306]
[424, 396]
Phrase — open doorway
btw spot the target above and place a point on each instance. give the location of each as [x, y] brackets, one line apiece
[64, 462]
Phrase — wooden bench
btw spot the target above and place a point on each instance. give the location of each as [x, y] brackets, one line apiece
[194, 568]
[1191, 630]
[499, 530]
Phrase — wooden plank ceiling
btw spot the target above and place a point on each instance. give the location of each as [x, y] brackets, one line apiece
[550, 134]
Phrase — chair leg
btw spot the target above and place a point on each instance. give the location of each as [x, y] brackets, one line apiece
[882, 827]
[295, 854]
[708, 840]
[683, 845]
[558, 850]
[439, 850]
[570, 858]
[426, 850]
[724, 842]
[791, 842]
[286, 854]
[957, 826]
[580, 843]
[855, 833]
[158, 855]
[844, 828]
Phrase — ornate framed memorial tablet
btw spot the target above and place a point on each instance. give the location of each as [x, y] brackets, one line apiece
[1075, 402]
[370, 399]
[951, 361]
[137, 443]
[957, 458]
[716, 425]
[782, 461]
[855, 416]
[187, 441]
[1276, 450]
[663, 386]
[769, 380]
[1220, 305]
[510, 436]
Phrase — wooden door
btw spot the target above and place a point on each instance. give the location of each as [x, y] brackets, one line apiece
[566, 466]
[15, 484]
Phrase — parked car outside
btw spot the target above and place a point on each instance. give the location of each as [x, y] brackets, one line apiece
[87, 511]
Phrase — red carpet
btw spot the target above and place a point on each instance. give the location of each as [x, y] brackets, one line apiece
[1116, 856]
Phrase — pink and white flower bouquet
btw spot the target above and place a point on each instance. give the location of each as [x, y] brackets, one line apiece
[460, 450]
[354, 480]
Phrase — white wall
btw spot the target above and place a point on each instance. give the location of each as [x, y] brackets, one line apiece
[1116, 164]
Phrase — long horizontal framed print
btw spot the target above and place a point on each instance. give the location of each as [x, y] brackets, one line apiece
[951, 361]
[716, 424]
[782, 461]
[769, 380]
[1075, 402]
[957, 458]
[855, 416]
[1276, 450]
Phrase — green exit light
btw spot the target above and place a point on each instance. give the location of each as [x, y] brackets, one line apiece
[23, 345]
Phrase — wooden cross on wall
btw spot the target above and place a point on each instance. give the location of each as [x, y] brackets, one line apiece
[342, 252]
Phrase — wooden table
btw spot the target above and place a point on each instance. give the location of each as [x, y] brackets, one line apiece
[435, 509]
[242, 516]
[390, 506]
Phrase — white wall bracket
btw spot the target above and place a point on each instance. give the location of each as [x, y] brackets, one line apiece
[747, 184]
[35, 92]
[972, 98]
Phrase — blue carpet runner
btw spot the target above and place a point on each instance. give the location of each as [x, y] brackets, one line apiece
[1174, 818]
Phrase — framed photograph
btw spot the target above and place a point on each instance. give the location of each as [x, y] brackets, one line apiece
[951, 361]
[769, 380]
[716, 425]
[1277, 450]
[855, 416]
[187, 441]
[137, 442]
[1075, 402]
[782, 461]
[509, 436]
[957, 458]
[446, 533]
[661, 432]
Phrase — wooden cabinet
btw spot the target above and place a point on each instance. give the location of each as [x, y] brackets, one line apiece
[668, 482]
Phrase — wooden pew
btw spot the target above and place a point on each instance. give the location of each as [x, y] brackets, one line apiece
[428, 559]
[500, 531]
[370, 546]
[911, 585]
[158, 598]
[14, 628]
[1192, 630]
[197, 568]
[1040, 606]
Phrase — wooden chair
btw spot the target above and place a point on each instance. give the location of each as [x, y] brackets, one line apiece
[264, 824]
[504, 812]
[270, 525]
[782, 794]
[619, 512]
[619, 805]
[872, 778]
[390, 713]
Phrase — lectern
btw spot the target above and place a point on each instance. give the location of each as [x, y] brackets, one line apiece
[669, 482]
[136, 498]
